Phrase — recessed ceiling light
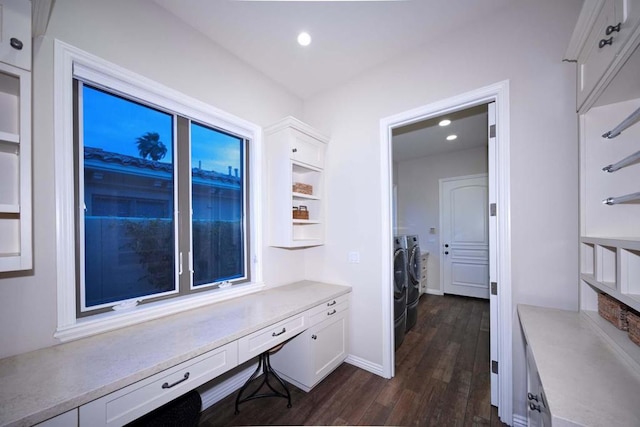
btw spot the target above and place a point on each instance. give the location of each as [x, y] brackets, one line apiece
[304, 39]
[445, 122]
[451, 137]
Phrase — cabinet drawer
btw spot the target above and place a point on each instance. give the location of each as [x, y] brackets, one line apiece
[264, 339]
[327, 313]
[132, 402]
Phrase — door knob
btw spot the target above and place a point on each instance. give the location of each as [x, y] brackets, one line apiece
[605, 42]
[613, 28]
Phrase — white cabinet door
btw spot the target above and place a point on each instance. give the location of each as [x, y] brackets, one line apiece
[305, 149]
[67, 419]
[15, 33]
[308, 358]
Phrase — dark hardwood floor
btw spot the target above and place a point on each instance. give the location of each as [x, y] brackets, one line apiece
[442, 378]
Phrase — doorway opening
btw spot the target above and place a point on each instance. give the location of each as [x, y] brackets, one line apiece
[492, 97]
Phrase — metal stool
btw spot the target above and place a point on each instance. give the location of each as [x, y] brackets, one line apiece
[265, 365]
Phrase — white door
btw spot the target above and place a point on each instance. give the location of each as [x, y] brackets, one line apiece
[464, 217]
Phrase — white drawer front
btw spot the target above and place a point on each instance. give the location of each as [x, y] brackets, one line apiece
[264, 339]
[132, 402]
[323, 312]
[320, 308]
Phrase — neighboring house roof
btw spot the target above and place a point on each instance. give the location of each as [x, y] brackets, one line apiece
[106, 160]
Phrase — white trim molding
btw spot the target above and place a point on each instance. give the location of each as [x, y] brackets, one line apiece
[365, 364]
[67, 61]
[498, 93]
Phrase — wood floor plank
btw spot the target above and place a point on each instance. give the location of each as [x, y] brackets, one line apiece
[442, 378]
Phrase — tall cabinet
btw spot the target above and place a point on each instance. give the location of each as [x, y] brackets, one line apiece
[15, 135]
[295, 155]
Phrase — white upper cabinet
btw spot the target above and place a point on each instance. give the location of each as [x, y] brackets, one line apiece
[605, 37]
[15, 33]
[295, 168]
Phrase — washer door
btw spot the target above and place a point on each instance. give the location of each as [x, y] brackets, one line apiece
[399, 277]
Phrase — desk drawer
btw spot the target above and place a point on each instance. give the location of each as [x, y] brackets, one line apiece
[130, 403]
[323, 312]
[264, 339]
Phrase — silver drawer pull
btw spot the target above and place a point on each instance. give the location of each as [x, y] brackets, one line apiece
[534, 407]
[332, 303]
[167, 385]
[331, 312]
[275, 334]
[532, 396]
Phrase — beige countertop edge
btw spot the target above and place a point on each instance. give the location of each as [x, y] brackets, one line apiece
[43, 405]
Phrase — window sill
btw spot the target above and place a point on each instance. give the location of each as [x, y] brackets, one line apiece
[115, 320]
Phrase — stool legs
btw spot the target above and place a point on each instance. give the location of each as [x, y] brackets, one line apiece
[264, 364]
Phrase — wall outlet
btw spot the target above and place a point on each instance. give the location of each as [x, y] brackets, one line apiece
[354, 257]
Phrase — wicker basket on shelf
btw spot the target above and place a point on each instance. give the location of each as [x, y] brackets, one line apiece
[299, 187]
[614, 311]
[300, 212]
[633, 322]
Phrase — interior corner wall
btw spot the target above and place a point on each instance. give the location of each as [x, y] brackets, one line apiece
[419, 198]
[141, 37]
[524, 43]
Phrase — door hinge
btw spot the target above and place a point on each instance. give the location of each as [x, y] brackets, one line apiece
[492, 209]
[492, 131]
[494, 288]
[494, 367]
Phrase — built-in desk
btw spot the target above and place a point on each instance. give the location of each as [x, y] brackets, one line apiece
[576, 375]
[42, 384]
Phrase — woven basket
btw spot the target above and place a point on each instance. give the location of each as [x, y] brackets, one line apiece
[613, 311]
[299, 187]
[300, 212]
[633, 320]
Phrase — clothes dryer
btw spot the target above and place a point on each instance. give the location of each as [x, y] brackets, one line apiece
[399, 289]
[413, 279]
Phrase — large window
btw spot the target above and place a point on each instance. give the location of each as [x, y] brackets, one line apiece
[158, 199]
[162, 202]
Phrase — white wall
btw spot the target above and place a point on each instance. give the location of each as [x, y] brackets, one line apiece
[419, 198]
[143, 38]
[524, 43]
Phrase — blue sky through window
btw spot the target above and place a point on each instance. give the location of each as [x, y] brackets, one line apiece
[113, 124]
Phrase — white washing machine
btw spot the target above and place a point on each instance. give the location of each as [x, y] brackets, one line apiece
[413, 279]
[400, 281]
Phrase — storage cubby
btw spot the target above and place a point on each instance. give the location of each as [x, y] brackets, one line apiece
[587, 258]
[606, 265]
[630, 273]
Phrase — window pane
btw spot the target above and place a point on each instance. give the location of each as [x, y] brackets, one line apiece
[128, 198]
[217, 161]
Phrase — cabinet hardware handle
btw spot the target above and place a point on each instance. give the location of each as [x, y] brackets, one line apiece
[605, 42]
[613, 28]
[294, 150]
[446, 252]
[275, 334]
[167, 385]
[314, 337]
[532, 396]
[16, 43]
[534, 407]
[332, 303]
[329, 313]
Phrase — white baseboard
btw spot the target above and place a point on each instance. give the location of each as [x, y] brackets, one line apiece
[365, 364]
[435, 292]
[211, 395]
[520, 421]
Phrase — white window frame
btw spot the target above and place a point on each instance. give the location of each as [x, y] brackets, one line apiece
[68, 59]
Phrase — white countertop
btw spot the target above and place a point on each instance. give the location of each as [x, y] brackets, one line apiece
[41, 384]
[585, 379]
